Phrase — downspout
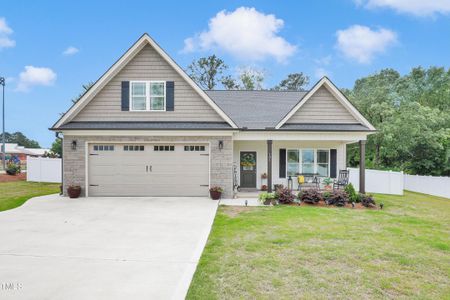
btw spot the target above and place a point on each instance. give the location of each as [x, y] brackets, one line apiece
[61, 192]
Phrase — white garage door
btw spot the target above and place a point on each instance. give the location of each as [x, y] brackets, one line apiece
[148, 169]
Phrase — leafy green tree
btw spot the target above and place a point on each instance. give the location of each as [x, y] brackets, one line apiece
[207, 71]
[57, 147]
[248, 79]
[20, 139]
[412, 116]
[293, 82]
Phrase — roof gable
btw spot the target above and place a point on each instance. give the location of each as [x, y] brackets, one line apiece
[120, 64]
[345, 112]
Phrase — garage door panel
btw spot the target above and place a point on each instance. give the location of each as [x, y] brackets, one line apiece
[148, 172]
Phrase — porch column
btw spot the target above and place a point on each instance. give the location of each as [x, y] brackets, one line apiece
[269, 166]
[362, 167]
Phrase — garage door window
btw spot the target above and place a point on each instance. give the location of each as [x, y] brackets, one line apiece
[103, 148]
[164, 148]
[133, 148]
[194, 148]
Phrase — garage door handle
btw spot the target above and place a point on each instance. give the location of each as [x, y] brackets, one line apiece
[146, 169]
[204, 184]
[204, 154]
[151, 169]
[93, 185]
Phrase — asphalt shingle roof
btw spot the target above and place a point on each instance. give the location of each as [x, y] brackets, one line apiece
[256, 109]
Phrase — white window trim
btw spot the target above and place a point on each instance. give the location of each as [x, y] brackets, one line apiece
[147, 96]
[300, 162]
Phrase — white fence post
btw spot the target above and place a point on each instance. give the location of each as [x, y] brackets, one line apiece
[42, 169]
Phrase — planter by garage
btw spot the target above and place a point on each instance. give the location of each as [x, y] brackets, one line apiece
[74, 191]
[215, 195]
[215, 192]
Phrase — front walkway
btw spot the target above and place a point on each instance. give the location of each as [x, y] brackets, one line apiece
[103, 248]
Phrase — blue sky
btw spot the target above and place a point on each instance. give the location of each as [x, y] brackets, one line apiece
[48, 49]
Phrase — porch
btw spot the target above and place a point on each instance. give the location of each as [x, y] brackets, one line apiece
[261, 164]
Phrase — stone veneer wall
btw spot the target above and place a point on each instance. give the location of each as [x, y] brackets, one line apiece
[221, 161]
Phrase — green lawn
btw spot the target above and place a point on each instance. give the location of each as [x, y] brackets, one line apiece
[14, 194]
[287, 252]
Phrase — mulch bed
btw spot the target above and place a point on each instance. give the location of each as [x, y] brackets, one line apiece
[9, 178]
[322, 204]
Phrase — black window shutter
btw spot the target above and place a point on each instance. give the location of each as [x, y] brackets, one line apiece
[282, 163]
[170, 96]
[125, 95]
[333, 163]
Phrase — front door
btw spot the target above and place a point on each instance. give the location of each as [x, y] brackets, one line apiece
[248, 169]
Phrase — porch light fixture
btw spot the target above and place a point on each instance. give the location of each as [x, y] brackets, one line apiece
[290, 183]
[220, 145]
[74, 145]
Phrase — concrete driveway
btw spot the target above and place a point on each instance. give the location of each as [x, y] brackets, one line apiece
[102, 248]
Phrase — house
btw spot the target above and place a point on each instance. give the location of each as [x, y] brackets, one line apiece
[14, 151]
[146, 129]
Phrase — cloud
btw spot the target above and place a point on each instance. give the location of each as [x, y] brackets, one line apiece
[321, 72]
[362, 44]
[71, 51]
[34, 76]
[326, 60]
[5, 31]
[420, 8]
[244, 33]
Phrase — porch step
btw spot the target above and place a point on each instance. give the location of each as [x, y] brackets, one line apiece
[253, 194]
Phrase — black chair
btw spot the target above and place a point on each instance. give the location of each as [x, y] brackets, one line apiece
[342, 180]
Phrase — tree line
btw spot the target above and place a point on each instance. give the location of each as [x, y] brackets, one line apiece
[411, 112]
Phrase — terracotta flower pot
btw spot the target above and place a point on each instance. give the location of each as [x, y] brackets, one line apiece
[74, 191]
[215, 195]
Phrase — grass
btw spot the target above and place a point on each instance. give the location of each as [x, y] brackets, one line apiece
[287, 252]
[14, 194]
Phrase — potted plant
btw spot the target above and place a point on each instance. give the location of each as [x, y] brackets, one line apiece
[12, 168]
[267, 198]
[215, 192]
[263, 187]
[327, 183]
[74, 191]
[264, 175]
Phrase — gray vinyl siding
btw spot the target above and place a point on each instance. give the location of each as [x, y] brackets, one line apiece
[148, 65]
[322, 107]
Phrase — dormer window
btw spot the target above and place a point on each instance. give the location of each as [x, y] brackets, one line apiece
[148, 96]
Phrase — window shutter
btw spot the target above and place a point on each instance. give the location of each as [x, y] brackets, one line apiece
[333, 163]
[125, 95]
[170, 96]
[282, 163]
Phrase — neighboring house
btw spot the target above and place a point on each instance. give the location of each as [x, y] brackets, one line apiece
[14, 151]
[146, 129]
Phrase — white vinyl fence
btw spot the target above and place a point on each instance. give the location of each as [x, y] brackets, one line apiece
[43, 169]
[432, 185]
[383, 182]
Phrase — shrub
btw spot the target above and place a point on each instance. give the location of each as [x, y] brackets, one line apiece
[352, 195]
[338, 198]
[285, 196]
[265, 196]
[12, 168]
[311, 196]
[326, 195]
[367, 200]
